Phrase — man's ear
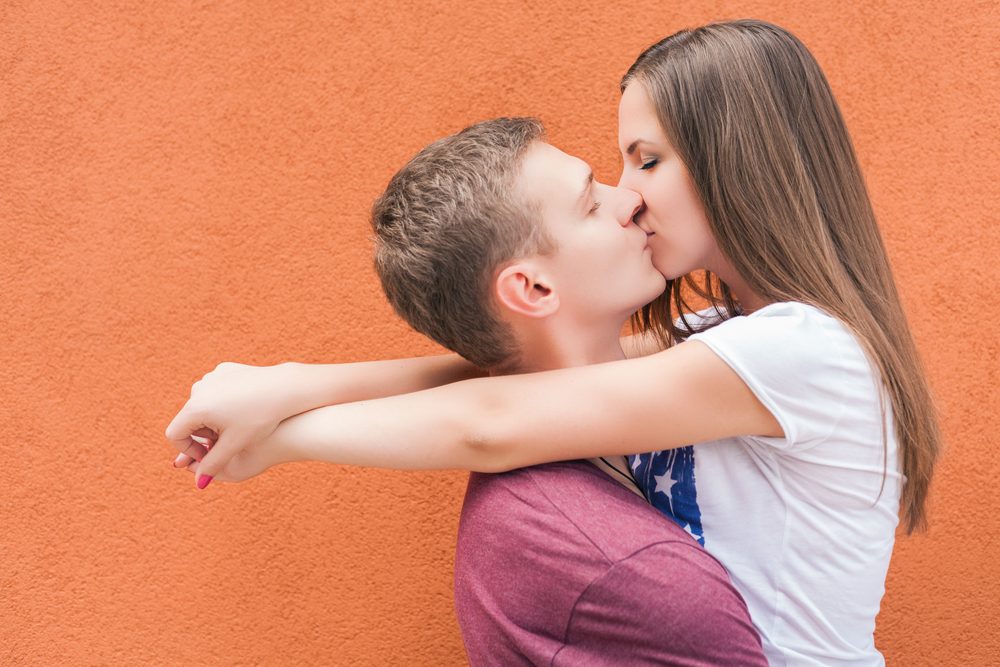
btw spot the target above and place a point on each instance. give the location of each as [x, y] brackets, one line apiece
[523, 289]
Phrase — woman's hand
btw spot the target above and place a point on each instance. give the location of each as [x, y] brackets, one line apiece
[245, 464]
[232, 408]
[236, 406]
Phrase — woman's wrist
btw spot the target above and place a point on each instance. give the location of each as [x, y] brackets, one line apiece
[295, 439]
[309, 386]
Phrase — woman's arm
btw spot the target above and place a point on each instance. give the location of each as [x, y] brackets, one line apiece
[252, 400]
[317, 385]
[245, 403]
[677, 397]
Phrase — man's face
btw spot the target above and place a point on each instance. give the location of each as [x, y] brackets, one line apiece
[601, 267]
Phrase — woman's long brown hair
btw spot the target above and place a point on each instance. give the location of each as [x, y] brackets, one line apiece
[751, 114]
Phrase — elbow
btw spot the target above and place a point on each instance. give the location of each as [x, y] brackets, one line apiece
[485, 442]
[482, 453]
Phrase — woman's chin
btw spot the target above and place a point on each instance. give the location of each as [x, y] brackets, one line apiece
[670, 273]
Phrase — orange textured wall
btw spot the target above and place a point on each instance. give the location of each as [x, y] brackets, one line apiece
[184, 183]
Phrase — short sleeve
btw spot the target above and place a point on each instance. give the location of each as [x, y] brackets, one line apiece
[795, 359]
[670, 603]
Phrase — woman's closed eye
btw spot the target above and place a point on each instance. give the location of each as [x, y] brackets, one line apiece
[649, 163]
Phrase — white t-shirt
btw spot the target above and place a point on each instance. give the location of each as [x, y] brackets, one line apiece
[798, 521]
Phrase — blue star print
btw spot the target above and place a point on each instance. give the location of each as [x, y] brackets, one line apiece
[667, 480]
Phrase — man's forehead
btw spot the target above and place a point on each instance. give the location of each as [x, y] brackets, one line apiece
[549, 174]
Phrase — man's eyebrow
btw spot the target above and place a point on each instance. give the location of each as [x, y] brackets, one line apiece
[586, 187]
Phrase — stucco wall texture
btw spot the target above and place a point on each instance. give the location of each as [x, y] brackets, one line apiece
[185, 183]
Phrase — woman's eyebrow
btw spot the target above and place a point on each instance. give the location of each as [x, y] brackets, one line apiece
[632, 146]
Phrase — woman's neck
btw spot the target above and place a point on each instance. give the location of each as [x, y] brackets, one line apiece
[748, 299]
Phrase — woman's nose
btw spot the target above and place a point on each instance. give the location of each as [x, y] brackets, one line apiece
[631, 205]
[624, 178]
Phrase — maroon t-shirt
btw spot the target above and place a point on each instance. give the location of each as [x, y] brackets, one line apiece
[558, 564]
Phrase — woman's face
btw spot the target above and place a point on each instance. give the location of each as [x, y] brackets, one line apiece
[674, 219]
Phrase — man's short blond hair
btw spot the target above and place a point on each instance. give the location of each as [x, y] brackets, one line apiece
[445, 224]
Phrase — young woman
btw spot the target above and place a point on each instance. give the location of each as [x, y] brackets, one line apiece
[731, 135]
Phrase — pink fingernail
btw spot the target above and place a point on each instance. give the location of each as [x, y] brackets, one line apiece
[203, 481]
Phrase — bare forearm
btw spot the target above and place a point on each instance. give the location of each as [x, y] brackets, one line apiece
[408, 432]
[487, 425]
[318, 385]
[682, 396]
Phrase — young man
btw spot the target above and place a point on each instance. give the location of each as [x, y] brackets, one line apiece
[506, 250]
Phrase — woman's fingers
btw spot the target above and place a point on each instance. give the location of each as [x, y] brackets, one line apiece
[193, 469]
[187, 426]
[225, 448]
[195, 452]
[205, 436]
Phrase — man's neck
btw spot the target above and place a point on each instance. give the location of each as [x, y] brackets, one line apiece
[573, 348]
[570, 348]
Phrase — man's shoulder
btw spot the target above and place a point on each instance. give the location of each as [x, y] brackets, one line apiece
[559, 564]
[570, 502]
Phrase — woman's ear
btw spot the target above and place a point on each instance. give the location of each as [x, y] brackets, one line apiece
[523, 289]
